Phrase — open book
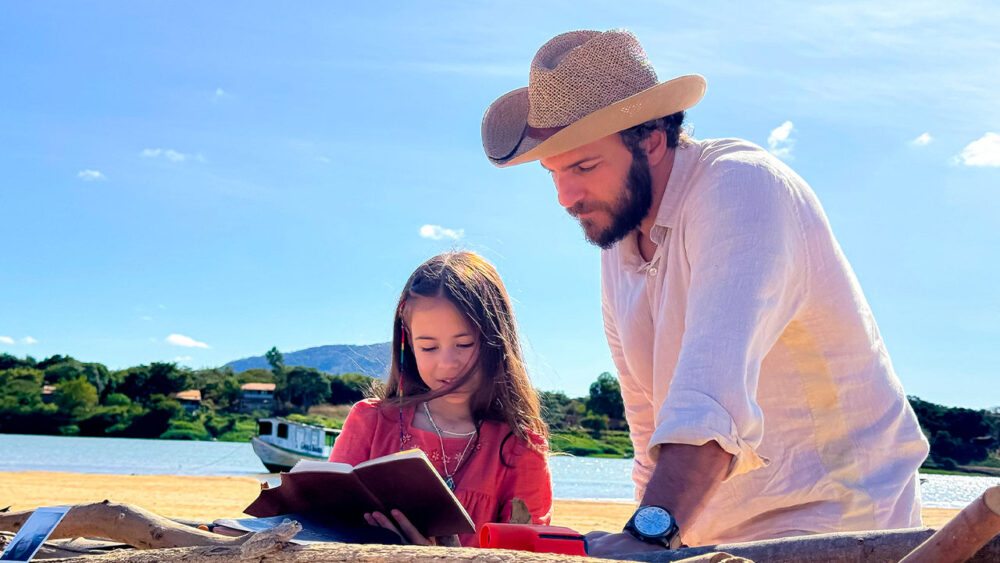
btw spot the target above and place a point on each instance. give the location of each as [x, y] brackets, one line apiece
[406, 481]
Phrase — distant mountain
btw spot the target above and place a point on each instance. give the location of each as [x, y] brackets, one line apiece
[371, 359]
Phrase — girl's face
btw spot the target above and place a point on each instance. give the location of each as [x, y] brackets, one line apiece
[445, 345]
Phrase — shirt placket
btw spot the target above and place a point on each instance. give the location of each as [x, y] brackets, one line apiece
[653, 269]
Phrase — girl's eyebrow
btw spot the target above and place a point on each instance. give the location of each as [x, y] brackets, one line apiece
[432, 338]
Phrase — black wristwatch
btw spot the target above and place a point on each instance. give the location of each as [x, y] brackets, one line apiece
[653, 524]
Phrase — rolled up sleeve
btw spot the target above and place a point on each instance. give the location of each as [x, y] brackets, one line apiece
[745, 247]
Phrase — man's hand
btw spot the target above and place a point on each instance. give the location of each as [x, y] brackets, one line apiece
[600, 544]
[684, 477]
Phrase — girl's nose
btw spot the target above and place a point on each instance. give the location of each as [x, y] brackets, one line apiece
[451, 357]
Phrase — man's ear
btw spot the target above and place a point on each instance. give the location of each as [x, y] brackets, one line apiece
[656, 146]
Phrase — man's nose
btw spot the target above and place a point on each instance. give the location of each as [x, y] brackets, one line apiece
[569, 190]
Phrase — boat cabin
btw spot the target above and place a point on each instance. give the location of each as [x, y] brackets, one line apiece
[297, 437]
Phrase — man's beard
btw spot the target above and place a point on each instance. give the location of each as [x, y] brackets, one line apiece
[627, 212]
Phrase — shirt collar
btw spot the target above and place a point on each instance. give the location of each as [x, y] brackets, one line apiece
[673, 194]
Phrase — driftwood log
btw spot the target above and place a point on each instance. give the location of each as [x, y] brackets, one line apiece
[847, 547]
[965, 534]
[970, 536]
[348, 553]
[159, 539]
[124, 523]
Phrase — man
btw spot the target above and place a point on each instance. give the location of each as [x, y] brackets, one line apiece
[759, 395]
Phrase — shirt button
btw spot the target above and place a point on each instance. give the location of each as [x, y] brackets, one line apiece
[652, 271]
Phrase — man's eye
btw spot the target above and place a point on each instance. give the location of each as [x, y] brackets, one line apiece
[583, 168]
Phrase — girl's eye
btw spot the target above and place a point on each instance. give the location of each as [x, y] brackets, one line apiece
[431, 349]
[469, 345]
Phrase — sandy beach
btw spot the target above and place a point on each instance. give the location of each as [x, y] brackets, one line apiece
[208, 498]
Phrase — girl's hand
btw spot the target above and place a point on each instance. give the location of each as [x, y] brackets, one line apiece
[409, 532]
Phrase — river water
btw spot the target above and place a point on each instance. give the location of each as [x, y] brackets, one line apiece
[581, 478]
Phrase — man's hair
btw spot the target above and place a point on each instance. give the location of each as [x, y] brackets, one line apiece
[670, 125]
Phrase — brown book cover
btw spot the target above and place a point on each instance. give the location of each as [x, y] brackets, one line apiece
[406, 481]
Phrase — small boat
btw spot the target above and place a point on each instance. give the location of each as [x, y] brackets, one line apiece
[281, 443]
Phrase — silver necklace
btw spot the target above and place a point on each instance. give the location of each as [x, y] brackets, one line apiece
[449, 477]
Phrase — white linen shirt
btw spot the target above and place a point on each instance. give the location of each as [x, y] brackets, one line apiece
[748, 327]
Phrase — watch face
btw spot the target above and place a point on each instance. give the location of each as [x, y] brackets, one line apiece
[652, 521]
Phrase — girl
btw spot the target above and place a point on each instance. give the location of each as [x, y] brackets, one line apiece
[458, 390]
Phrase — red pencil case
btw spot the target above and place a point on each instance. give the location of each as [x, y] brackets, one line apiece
[532, 537]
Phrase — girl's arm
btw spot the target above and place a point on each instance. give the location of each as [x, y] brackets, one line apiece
[532, 482]
[354, 444]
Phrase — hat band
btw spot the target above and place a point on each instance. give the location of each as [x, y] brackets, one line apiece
[542, 133]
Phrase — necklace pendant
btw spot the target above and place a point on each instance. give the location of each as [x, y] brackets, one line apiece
[450, 482]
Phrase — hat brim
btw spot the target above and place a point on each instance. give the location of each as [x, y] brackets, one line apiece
[505, 124]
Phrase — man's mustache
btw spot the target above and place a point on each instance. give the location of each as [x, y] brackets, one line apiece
[581, 207]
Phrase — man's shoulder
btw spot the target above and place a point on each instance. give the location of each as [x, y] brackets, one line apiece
[737, 165]
[730, 153]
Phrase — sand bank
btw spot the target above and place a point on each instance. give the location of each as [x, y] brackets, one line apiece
[207, 498]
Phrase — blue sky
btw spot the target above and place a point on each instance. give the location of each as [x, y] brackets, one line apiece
[192, 182]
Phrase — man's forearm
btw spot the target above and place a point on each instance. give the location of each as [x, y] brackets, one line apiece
[685, 477]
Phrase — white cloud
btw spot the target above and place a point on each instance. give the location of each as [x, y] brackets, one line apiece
[145, 318]
[180, 359]
[29, 340]
[923, 140]
[186, 341]
[982, 152]
[90, 175]
[6, 340]
[220, 93]
[437, 232]
[779, 142]
[170, 154]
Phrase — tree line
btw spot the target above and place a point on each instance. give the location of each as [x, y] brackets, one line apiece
[63, 396]
[88, 399]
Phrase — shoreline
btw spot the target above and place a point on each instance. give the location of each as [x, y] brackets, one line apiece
[210, 497]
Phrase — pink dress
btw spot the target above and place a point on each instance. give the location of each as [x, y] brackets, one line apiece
[484, 485]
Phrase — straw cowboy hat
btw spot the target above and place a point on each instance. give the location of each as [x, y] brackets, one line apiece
[583, 85]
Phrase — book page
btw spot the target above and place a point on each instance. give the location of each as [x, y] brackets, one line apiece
[33, 533]
[408, 482]
[415, 453]
[313, 465]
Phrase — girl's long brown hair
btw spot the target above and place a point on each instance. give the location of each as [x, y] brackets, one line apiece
[473, 286]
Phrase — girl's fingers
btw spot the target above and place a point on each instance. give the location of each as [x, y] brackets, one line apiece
[409, 529]
[383, 521]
